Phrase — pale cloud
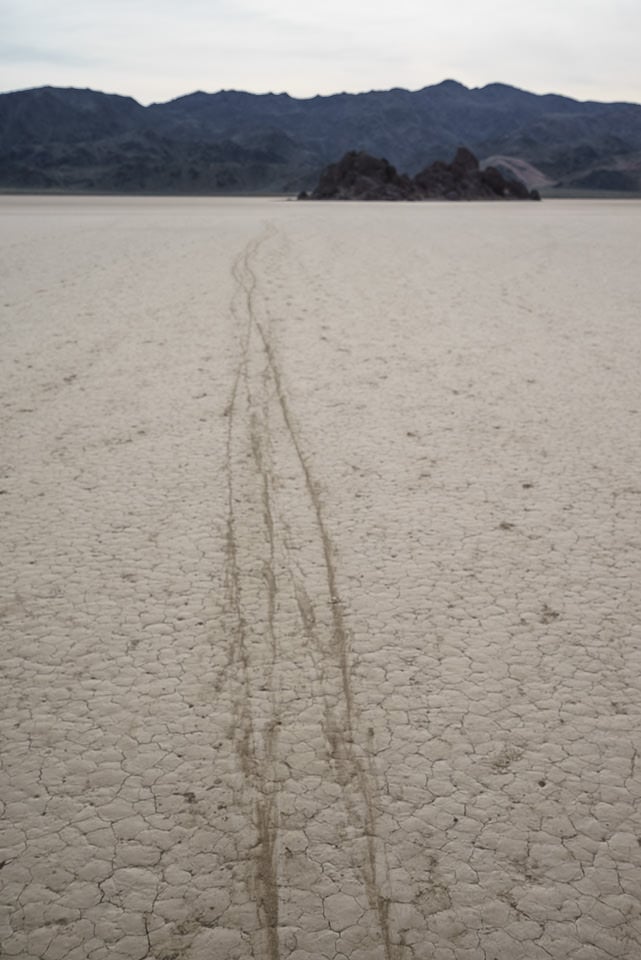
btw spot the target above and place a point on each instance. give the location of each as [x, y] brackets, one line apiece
[161, 49]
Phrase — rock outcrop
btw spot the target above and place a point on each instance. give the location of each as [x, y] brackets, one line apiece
[359, 176]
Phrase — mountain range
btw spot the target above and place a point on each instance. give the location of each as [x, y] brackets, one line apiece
[233, 142]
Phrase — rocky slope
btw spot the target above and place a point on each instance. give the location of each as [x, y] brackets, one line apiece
[238, 142]
[359, 176]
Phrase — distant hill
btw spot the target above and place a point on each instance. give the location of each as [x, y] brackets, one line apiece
[234, 142]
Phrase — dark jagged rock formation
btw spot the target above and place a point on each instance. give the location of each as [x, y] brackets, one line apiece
[358, 176]
[463, 179]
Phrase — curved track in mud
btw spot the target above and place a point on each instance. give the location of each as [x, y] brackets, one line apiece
[285, 612]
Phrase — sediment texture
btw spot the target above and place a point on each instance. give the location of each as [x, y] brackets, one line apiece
[320, 612]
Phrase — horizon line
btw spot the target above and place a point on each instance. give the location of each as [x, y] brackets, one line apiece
[448, 81]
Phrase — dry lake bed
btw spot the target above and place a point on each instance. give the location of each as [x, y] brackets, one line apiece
[321, 596]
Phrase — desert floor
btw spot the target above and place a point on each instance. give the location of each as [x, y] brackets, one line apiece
[321, 604]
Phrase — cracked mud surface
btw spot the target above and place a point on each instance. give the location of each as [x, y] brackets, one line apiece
[320, 608]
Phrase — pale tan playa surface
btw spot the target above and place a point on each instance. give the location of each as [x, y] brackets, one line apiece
[321, 606]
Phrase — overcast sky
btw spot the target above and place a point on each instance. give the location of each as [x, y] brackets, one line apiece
[155, 50]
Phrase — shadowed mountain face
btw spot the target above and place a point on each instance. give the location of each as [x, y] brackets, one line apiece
[233, 142]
